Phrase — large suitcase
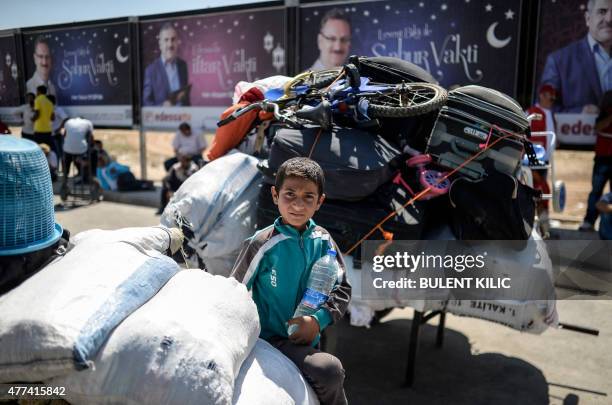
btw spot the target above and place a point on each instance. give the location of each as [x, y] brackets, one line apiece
[348, 222]
[355, 162]
[473, 119]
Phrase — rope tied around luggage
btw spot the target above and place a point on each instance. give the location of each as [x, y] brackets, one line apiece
[484, 147]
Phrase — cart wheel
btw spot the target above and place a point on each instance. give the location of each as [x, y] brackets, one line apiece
[431, 178]
[64, 192]
[559, 196]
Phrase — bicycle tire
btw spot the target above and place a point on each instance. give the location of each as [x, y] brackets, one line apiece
[317, 80]
[425, 97]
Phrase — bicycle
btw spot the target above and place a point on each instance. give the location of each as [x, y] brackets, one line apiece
[320, 97]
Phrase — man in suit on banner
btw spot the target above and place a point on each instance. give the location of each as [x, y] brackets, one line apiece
[44, 63]
[582, 71]
[166, 78]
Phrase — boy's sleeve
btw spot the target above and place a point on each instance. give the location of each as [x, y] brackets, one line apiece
[337, 303]
[245, 268]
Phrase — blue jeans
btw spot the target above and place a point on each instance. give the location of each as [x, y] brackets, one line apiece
[602, 174]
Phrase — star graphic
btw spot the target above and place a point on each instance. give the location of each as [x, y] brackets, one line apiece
[488, 7]
[509, 14]
[443, 7]
[433, 16]
[421, 4]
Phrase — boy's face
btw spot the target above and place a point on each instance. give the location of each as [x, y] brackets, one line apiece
[298, 199]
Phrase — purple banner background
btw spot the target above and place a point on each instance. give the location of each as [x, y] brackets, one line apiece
[221, 50]
[9, 73]
[90, 65]
[458, 42]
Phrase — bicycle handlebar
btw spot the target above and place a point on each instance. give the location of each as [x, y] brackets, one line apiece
[264, 105]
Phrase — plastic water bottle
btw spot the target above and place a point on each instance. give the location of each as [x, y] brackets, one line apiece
[322, 278]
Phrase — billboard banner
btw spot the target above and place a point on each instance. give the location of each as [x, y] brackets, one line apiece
[191, 64]
[84, 67]
[458, 42]
[566, 61]
[9, 76]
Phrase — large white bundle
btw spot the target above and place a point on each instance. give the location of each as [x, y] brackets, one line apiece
[184, 346]
[220, 202]
[268, 377]
[57, 320]
[531, 274]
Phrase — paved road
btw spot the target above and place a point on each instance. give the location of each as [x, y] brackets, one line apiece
[480, 362]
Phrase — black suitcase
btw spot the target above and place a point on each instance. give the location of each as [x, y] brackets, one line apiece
[473, 118]
[355, 162]
[348, 222]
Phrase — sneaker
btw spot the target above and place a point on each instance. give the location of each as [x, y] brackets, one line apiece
[586, 226]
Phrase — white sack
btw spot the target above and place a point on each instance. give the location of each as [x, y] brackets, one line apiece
[532, 274]
[220, 202]
[184, 346]
[57, 320]
[526, 266]
[268, 377]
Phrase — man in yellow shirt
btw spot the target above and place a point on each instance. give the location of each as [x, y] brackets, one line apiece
[43, 117]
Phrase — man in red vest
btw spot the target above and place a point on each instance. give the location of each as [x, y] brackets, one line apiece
[546, 122]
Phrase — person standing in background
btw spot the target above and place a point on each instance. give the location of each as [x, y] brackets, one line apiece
[602, 166]
[60, 117]
[78, 141]
[27, 116]
[546, 122]
[43, 117]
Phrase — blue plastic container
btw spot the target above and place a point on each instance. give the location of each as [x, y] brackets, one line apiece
[27, 219]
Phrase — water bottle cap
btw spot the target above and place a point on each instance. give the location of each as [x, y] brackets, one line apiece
[331, 252]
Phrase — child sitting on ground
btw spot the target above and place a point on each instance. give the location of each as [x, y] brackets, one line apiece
[275, 264]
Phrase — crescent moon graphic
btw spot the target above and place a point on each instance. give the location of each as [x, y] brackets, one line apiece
[492, 39]
[120, 58]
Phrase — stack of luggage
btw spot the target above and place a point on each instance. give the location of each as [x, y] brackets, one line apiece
[367, 177]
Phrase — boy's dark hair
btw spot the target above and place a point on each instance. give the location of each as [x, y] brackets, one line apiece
[302, 168]
[41, 89]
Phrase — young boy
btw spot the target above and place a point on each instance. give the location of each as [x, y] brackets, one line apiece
[275, 264]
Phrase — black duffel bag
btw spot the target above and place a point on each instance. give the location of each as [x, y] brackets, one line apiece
[496, 207]
[355, 162]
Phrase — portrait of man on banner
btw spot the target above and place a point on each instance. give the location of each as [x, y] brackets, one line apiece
[333, 40]
[581, 72]
[166, 79]
[43, 60]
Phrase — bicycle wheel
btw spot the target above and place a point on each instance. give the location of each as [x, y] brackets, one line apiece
[407, 100]
[317, 80]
